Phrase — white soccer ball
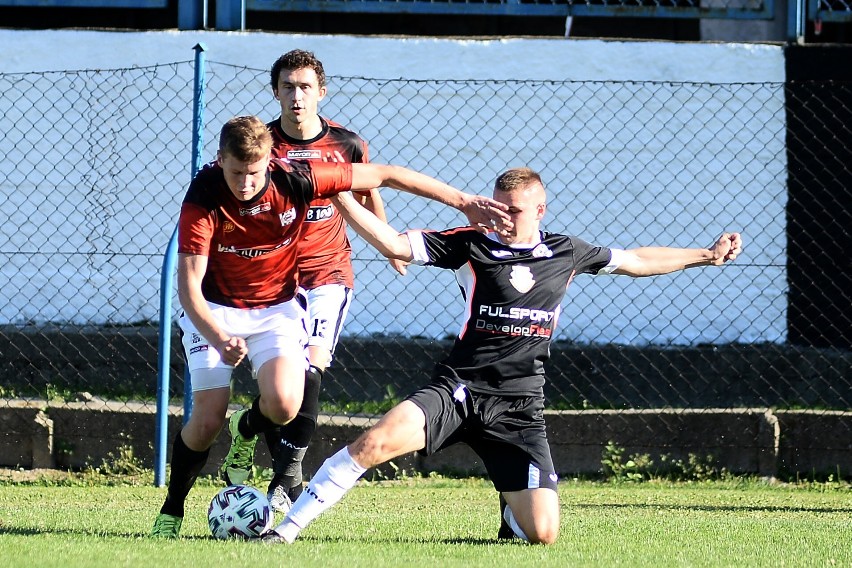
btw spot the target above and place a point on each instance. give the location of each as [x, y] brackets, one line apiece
[239, 511]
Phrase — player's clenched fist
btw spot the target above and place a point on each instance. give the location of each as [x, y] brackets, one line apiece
[727, 248]
[233, 350]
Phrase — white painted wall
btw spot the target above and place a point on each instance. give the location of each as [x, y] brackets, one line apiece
[642, 160]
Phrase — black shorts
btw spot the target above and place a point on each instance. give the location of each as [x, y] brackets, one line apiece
[507, 432]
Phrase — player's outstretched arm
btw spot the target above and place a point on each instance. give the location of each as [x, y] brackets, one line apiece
[483, 213]
[650, 261]
[373, 202]
[379, 234]
[190, 271]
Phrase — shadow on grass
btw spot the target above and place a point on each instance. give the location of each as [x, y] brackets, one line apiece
[413, 539]
[32, 531]
[720, 508]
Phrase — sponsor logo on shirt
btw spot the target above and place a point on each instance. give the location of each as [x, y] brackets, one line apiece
[228, 226]
[198, 349]
[534, 330]
[287, 217]
[515, 313]
[251, 252]
[541, 326]
[522, 279]
[259, 208]
[320, 213]
[304, 154]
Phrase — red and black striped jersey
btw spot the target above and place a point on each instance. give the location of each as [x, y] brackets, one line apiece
[512, 297]
[252, 245]
[324, 250]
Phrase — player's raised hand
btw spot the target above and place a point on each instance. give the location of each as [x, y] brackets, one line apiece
[233, 351]
[727, 248]
[486, 214]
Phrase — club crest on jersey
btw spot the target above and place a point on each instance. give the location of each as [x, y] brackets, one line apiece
[287, 217]
[521, 279]
[319, 213]
[541, 251]
[304, 154]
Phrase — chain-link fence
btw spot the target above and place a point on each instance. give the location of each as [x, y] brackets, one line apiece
[96, 163]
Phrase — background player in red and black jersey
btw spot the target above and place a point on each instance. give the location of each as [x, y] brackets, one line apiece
[325, 265]
[239, 228]
[488, 391]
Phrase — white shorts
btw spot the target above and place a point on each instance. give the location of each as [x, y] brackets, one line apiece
[276, 331]
[327, 308]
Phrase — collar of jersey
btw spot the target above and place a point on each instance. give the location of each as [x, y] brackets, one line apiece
[296, 141]
[517, 246]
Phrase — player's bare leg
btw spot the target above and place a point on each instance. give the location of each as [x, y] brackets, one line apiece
[209, 408]
[533, 514]
[402, 430]
[190, 451]
[281, 384]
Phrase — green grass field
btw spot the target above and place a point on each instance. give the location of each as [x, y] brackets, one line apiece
[446, 522]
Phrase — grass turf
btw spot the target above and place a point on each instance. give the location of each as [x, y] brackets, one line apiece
[446, 522]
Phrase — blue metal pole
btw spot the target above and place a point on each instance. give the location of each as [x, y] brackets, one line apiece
[230, 15]
[197, 147]
[167, 291]
[161, 434]
[797, 14]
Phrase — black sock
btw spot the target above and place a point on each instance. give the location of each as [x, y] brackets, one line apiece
[186, 465]
[289, 443]
[254, 422]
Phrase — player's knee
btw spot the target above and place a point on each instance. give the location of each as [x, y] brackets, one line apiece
[279, 411]
[545, 531]
[203, 429]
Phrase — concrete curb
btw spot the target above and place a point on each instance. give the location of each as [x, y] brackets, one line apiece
[759, 441]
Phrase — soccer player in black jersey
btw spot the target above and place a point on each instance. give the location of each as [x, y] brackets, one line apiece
[488, 391]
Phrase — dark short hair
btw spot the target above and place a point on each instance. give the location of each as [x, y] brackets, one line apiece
[246, 138]
[517, 179]
[297, 59]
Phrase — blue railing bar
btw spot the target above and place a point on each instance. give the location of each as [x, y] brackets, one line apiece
[827, 14]
[765, 12]
[88, 3]
[167, 292]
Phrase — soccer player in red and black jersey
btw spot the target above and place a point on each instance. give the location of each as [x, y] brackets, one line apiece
[325, 265]
[488, 391]
[238, 233]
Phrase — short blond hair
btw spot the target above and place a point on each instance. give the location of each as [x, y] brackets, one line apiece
[246, 138]
[516, 179]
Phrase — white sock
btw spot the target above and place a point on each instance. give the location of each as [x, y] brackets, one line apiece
[338, 474]
[513, 523]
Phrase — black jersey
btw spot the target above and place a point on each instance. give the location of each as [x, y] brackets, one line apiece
[513, 297]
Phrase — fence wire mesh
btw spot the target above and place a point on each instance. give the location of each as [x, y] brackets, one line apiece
[94, 175]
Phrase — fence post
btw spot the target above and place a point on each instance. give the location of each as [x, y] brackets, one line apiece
[192, 14]
[166, 292]
[797, 14]
[231, 15]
